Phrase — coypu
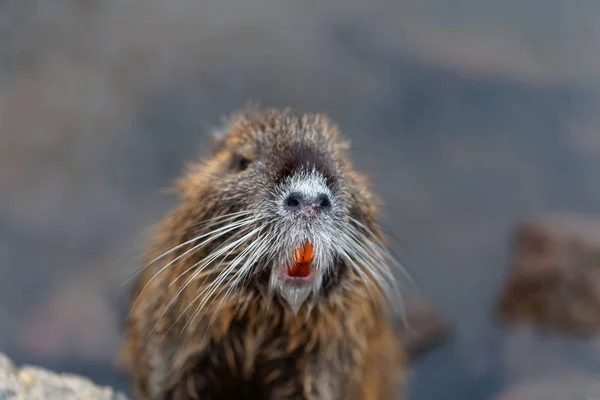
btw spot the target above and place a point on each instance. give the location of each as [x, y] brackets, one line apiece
[273, 280]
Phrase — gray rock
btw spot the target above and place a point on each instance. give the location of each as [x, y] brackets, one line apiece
[34, 383]
[555, 388]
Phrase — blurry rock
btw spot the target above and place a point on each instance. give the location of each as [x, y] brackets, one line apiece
[555, 388]
[555, 277]
[525, 354]
[33, 383]
[422, 329]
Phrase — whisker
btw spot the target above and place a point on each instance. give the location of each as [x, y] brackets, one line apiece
[205, 262]
[166, 253]
[221, 231]
[269, 252]
[202, 264]
[214, 285]
[357, 265]
[375, 256]
[375, 261]
[385, 251]
[204, 224]
[200, 268]
[229, 269]
[219, 278]
[218, 252]
[241, 273]
[369, 259]
[244, 271]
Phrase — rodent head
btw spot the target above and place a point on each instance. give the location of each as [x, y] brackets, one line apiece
[286, 210]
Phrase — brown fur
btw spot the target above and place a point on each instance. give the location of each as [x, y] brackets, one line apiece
[342, 348]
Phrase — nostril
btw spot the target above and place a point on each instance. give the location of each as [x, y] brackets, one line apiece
[293, 200]
[323, 201]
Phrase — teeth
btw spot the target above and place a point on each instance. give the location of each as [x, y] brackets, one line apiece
[299, 270]
[304, 254]
[302, 261]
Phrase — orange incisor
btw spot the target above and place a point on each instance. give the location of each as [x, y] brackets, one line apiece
[303, 258]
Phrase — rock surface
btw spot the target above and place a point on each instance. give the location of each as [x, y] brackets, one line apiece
[34, 383]
[555, 277]
[555, 388]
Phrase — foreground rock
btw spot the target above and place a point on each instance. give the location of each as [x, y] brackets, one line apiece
[555, 278]
[33, 383]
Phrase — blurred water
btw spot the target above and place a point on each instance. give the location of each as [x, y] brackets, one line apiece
[469, 116]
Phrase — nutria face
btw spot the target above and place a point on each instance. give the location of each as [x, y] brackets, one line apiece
[292, 217]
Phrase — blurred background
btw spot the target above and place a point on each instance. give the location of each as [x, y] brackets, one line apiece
[470, 116]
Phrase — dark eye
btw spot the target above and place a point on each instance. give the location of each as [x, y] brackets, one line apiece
[242, 163]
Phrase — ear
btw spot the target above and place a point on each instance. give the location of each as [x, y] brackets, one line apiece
[218, 139]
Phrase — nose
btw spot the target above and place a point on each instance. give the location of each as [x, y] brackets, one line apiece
[309, 205]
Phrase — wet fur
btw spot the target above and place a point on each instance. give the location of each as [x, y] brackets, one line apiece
[250, 344]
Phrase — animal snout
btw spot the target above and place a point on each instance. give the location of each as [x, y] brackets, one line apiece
[307, 204]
